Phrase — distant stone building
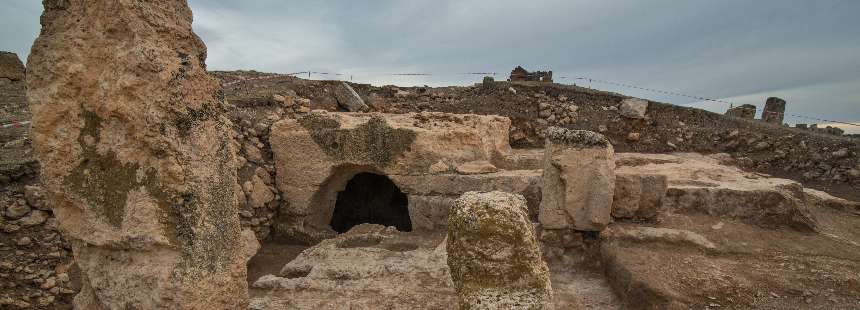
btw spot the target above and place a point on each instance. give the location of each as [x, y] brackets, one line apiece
[774, 111]
[746, 111]
[519, 74]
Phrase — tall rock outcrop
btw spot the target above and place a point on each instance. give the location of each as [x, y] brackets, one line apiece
[493, 254]
[136, 156]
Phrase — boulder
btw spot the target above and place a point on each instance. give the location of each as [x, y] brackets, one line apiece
[633, 108]
[136, 156]
[578, 182]
[493, 254]
[348, 99]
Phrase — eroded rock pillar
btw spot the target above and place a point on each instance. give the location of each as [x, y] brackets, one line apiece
[136, 156]
[493, 254]
[578, 181]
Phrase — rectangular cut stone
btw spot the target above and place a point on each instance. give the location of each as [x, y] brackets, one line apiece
[578, 181]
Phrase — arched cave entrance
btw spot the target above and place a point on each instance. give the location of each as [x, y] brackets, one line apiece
[371, 198]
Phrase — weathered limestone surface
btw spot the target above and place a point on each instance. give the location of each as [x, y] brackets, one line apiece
[368, 267]
[493, 254]
[318, 153]
[638, 195]
[701, 184]
[136, 156]
[578, 180]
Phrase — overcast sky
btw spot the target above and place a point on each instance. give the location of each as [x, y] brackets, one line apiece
[807, 52]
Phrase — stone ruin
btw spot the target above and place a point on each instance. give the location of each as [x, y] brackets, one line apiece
[745, 111]
[139, 163]
[521, 75]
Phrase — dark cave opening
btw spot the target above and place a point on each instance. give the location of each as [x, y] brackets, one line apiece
[371, 198]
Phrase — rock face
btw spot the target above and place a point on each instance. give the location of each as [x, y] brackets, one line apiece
[633, 108]
[578, 181]
[493, 254]
[317, 155]
[136, 156]
[11, 67]
[348, 99]
[700, 184]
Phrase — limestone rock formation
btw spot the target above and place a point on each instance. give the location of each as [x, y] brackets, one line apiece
[493, 254]
[136, 156]
[578, 181]
[317, 154]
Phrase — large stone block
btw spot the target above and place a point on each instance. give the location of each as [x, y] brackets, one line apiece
[578, 181]
[493, 254]
[136, 156]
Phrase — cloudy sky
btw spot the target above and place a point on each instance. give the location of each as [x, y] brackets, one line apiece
[807, 52]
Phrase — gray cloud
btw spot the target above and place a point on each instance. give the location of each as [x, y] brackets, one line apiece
[803, 51]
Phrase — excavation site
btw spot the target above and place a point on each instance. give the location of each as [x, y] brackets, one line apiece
[133, 176]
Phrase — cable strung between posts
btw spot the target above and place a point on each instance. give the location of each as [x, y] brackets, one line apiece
[704, 99]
